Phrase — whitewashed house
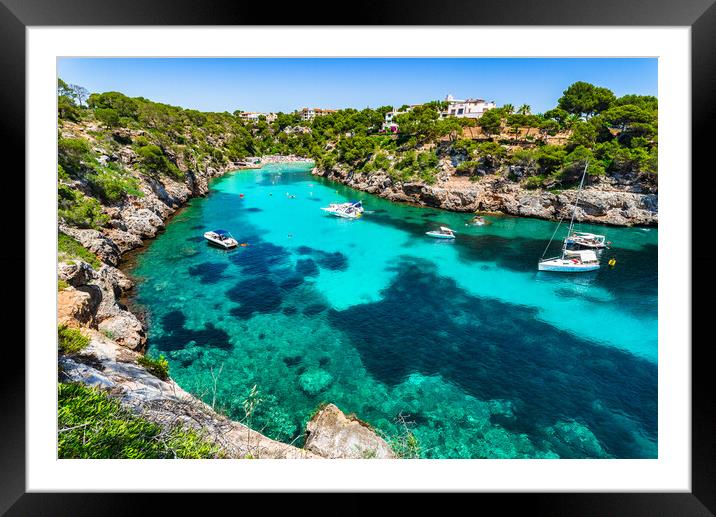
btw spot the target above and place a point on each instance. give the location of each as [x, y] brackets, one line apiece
[468, 108]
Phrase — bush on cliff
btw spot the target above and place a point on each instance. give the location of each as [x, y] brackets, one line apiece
[93, 425]
[69, 249]
[158, 367]
[112, 183]
[71, 341]
[76, 209]
[154, 162]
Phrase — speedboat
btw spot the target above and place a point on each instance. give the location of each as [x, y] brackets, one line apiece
[443, 233]
[350, 210]
[587, 240]
[571, 262]
[221, 238]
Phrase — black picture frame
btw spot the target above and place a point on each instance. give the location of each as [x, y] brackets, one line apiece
[699, 15]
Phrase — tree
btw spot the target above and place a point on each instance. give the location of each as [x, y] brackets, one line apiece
[80, 94]
[585, 99]
[509, 108]
[490, 122]
[525, 109]
[109, 117]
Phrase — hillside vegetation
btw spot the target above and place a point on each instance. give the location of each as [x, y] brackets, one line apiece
[616, 134]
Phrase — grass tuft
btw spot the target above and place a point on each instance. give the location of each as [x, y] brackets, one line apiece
[71, 341]
[93, 425]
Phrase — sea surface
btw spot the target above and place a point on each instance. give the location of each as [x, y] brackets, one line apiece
[463, 343]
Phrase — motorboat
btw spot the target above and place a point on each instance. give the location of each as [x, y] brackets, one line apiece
[350, 210]
[571, 262]
[587, 240]
[443, 233]
[221, 238]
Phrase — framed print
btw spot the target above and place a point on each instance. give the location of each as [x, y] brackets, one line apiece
[390, 256]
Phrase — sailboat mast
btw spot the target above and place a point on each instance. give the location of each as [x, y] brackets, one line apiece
[576, 202]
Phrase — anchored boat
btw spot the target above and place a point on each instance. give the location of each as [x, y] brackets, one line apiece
[350, 210]
[587, 240]
[570, 261]
[221, 238]
[443, 233]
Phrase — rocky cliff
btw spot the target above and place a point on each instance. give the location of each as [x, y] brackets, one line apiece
[620, 201]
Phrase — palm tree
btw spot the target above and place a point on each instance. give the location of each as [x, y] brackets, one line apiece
[509, 108]
[525, 109]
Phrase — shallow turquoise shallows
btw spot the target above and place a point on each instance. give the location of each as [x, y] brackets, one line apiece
[480, 354]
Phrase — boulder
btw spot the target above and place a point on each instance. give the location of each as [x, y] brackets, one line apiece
[331, 434]
[74, 308]
[75, 273]
[125, 329]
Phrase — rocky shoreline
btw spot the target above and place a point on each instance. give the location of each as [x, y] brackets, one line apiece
[617, 201]
[93, 302]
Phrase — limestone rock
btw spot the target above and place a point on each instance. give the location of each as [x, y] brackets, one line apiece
[96, 242]
[125, 329]
[74, 308]
[624, 200]
[333, 435]
[75, 273]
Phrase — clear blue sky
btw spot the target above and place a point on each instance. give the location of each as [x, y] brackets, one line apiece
[278, 84]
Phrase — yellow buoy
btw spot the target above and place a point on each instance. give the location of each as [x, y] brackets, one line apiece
[612, 262]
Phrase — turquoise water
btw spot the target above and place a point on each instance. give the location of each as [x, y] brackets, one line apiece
[483, 356]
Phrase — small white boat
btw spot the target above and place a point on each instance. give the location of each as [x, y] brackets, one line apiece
[350, 210]
[571, 262]
[443, 233]
[587, 240]
[221, 238]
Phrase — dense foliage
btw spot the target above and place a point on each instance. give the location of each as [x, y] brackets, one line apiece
[616, 134]
[92, 425]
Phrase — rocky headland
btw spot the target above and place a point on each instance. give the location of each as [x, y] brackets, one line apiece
[621, 200]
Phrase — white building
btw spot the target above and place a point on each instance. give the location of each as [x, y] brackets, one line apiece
[311, 113]
[389, 124]
[468, 108]
[253, 116]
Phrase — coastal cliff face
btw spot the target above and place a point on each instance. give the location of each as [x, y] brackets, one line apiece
[619, 201]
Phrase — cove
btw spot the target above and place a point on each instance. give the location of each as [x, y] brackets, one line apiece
[483, 355]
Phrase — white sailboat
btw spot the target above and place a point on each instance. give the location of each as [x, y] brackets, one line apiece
[570, 261]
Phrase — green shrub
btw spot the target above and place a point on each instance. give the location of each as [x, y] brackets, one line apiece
[69, 249]
[158, 366]
[153, 161]
[67, 109]
[74, 154]
[467, 167]
[533, 182]
[78, 210]
[93, 425]
[71, 341]
[113, 184]
[108, 116]
[61, 284]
